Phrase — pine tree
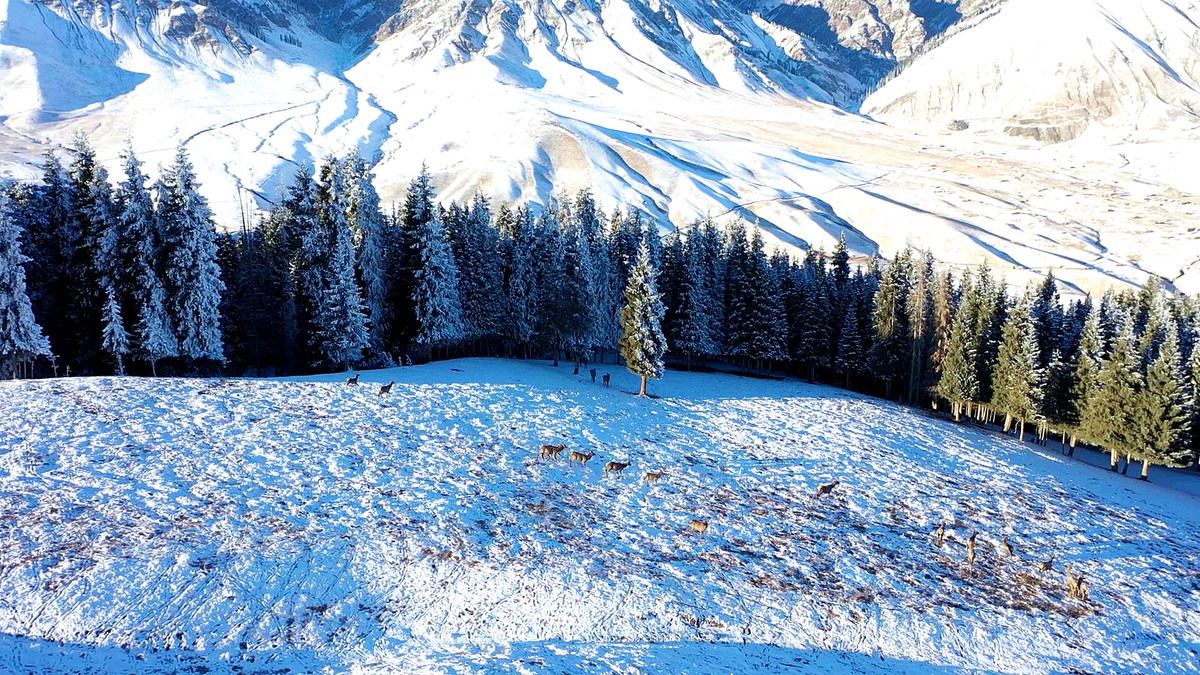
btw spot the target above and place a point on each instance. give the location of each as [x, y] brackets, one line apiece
[342, 333]
[693, 324]
[1087, 361]
[54, 240]
[191, 271]
[371, 243]
[156, 339]
[1163, 414]
[959, 383]
[1019, 380]
[892, 354]
[850, 347]
[521, 292]
[1110, 409]
[116, 340]
[642, 342]
[435, 301]
[21, 338]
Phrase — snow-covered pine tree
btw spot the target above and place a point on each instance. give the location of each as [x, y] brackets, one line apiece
[371, 238]
[850, 343]
[435, 301]
[521, 292]
[1086, 362]
[891, 356]
[580, 300]
[53, 245]
[922, 376]
[21, 338]
[550, 268]
[91, 209]
[156, 338]
[476, 246]
[116, 339]
[342, 333]
[1047, 319]
[694, 324]
[643, 344]
[1163, 414]
[1019, 381]
[191, 271]
[944, 306]
[813, 314]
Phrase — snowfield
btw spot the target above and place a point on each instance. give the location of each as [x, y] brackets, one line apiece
[262, 525]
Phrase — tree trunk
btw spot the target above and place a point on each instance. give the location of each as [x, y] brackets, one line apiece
[957, 409]
[1022, 431]
[644, 381]
[1113, 459]
[1145, 469]
[1008, 418]
[1128, 460]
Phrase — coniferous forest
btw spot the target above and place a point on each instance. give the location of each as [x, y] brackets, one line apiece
[98, 277]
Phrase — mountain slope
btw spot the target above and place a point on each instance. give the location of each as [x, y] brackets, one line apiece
[254, 526]
[1130, 64]
[679, 108]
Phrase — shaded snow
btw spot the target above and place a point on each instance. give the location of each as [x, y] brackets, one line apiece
[308, 524]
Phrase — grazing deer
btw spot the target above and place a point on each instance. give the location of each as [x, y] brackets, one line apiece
[615, 467]
[1073, 584]
[700, 526]
[593, 376]
[940, 536]
[1046, 565]
[826, 489]
[1008, 548]
[386, 389]
[1084, 590]
[582, 458]
[552, 451]
[607, 379]
[653, 477]
[971, 548]
[352, 380]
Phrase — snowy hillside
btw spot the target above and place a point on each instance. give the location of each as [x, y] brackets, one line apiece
[680, 108]
[262, 525]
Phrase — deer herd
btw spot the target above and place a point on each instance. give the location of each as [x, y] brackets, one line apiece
[1077, 587]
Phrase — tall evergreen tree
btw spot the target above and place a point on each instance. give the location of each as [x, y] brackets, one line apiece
[21, 338]
[1163, 415]
[341, 314]
[116, 340]
[191, 271]
[642, 342]
[371, 239]
[1019, 381]
[435, 301]
[1110, 410]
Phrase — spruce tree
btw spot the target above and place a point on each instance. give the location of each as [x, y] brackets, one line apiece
[642, 342]
[850, 348]
[21, 338]
[371, 238]
[116, 340]
[1163, 413]
[435, 301]
[959, 383]
[521, 292]
[191, 270]
[1019, 380]
[341, 315]
[1087, 363]
[1111, 407]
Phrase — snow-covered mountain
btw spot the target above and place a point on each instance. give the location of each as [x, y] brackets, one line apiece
[680, 107]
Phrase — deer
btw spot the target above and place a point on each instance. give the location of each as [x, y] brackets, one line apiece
[1073, 584]
[700, 526]
[826, 489]
[352, 381]
[607, 379]
[653, 477]
[386, 389]
[940, 535]
[971, 548]
[593, 371]
[552, 451]
[1008, 548]
[582, 458]
[615, 467]
[1046, 565]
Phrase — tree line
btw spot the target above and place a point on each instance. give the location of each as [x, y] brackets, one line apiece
[98, 278]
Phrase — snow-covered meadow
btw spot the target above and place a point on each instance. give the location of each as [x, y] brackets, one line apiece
[260, 525]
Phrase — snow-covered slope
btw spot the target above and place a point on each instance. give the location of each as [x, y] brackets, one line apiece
[275, 524]
[1048, 70]
[682, 108]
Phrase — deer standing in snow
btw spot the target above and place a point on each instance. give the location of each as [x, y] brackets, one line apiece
[615, 467]
[700, 526]
[607, 378]
[971, 548]
[593, 376]
[352, 380]
[386, 389]
[940, 536]
[582, 458]
[1008, 548]
[552, 451]
[653, 477]
[826, 489]
[1046, 565]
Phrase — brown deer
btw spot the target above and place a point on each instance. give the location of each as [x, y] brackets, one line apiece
[582, 458]
[352, 380]
[615, 467]
[826, 489]
[653, 477]
[940, 535]
[1046, 565]
[971, 548]
[1008, 548]
[386, 389]
[607, 379]
[552, 451]
[593, 376]
[700, 526]
[1073, 583]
